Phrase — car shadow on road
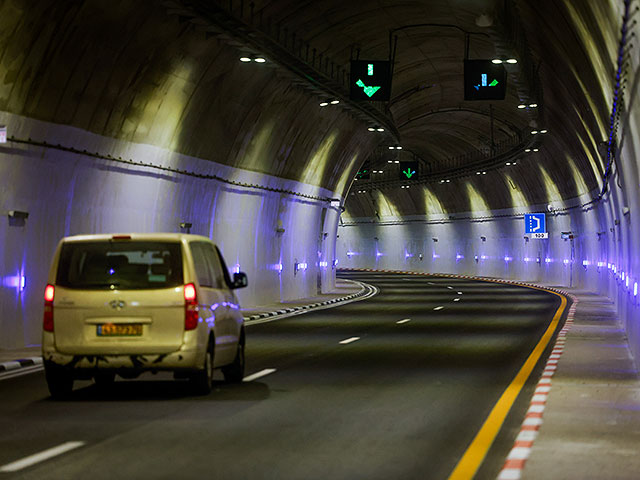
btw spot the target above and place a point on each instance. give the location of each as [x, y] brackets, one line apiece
[163, 390]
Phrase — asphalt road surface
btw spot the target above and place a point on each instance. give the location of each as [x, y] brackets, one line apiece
[393, 387]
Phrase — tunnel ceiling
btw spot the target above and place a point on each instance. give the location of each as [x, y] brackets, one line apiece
[566, 62]
[167, 73]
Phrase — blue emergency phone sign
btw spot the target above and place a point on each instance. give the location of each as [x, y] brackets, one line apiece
[535, 224]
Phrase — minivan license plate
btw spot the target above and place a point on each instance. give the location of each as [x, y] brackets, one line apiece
[120, 330]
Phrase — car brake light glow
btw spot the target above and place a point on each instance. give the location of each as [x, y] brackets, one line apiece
[49, 292]
[190, 307]
[47, 320]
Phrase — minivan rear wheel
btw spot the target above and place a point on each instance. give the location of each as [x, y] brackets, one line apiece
[59, 380]
[234, 373]
[202, 380]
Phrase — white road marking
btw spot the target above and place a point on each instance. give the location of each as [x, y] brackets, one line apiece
[456, 299]
[40, 457]
[400, 322]
[459, 293]
[349, 340]
[431, 283]
[450, 288]
[20, 372]
[260, 374]
[439, 308]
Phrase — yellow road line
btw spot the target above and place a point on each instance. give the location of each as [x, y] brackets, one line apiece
[475, 454]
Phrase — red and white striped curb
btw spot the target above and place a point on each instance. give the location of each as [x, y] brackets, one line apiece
[519, 454]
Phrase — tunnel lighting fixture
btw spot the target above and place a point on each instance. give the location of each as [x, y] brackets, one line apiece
[623, 276]
[459, 257]
[379, 254]
[521, 106]
[536, 149]
[548, 260]
[396, 161]
[543, 131]
[389, 161]
[245, 59]
[335, 102]
[508, 164]
[484, 173]
[371, 129]
[435, 256]
[635, 289]
[260, 60]
[497, 61]
[626, 283]
[350, 254]
[533, 132]
[483, 257]
[380, 129]
[324, 104]
[601, 264]
[527, 150]
[511, 61]
[508, 259]
[335, 262]
[533, 105]
[526, 259]
[404, 186]
[323, 264]
[586, 263]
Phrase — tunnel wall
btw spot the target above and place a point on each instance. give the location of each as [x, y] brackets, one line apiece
[66, 193]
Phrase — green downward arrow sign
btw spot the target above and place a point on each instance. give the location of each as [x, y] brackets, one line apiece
[409, 173]
[369, 91]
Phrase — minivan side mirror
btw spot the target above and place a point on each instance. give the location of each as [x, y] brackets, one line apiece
[239, 280]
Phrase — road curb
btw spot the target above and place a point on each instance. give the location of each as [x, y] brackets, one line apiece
[364, 291]
[18, 364]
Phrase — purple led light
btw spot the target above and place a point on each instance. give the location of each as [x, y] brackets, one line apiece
[483, 257]
[324, 264]
[350, 254]
[459, 257]
[527, 259]
[379, 254]
[548, 260]
[508, 259]
[435, 256]
[635, 289]
[566, 261]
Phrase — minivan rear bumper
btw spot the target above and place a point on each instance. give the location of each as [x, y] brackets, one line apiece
[178, 360]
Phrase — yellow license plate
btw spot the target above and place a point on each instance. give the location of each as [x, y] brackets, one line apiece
[120, 330]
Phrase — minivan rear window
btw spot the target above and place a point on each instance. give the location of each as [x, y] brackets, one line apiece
[121, 265]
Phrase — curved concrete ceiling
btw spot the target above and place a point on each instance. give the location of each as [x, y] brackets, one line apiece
[167, 74]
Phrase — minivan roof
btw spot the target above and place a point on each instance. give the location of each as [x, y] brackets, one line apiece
[177, 237]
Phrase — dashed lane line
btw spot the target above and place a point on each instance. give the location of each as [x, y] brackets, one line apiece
[456, 299]
[40, 457]
[406, 320]
[260, 374]
[438, 308]
[349, 340]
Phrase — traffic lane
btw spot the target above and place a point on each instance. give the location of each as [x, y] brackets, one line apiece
[319, 371]
[30, 421]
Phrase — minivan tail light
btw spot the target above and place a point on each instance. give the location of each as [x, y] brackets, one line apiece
[190, 307]
[47, 320]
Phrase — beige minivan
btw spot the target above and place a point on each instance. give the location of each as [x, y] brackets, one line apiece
[131, 303]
